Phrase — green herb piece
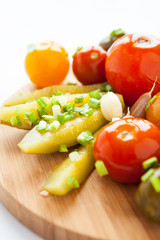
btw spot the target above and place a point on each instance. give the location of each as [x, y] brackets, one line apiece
[52, 103]
[89, 112]
[19, 120]
[54, 125]
[101, 168]
[148, 104]
[85, 137]
[31, 48]
[48, 118]
[106, 88]
[41, 102]
[58, 93]
[70, 107]
[79, 99]
[32, 117]
[94, 103]
[30, 101]
[150, 163]
[95, 94]
[69, 117]
[155, 181]
[61, 118]
[13, 120]
[42, 126]
[63, 148]
[117, 32]
[76, 183]
[63, 100]
[42, 112]
[77, 50]
[71, 181]
[18, 110]
[147, 175]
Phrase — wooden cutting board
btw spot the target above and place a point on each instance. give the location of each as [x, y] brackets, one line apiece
[100, 209]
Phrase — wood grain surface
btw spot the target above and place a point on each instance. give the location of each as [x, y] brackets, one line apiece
[100, 209]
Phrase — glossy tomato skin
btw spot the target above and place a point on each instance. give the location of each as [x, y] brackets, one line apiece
[47, 64]
[89, 65]
[124, 144]
[132, 65]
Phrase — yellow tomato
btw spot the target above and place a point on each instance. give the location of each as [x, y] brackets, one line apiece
[47, 63]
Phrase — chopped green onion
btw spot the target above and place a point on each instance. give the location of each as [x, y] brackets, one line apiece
[89, 112]
[18, 110]
[13, 120]
[63, 100]
[32, 117]
[106, 88]
[148, 104]
[155, 181]
[48, 118]
[31, 48]
[68, 117]
[75, 150]
[76, 183]
[42, 112]
[56, 110]
[74, 156]
[94, 103]
[61, 118]
[101, 168]
[70, 107]
[147, 175]
[19, 120]
[71, 181]
[42, 126]
[117, 32]
[58, 93]
[52, 103]
[79, 99]
[85, 137]
[30, 101]
[151, 162]
[95, 94]
[54, 125]
[63, 148]
[41, 102]
[77, 50]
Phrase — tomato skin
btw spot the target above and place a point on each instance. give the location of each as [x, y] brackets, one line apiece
[47, 64]
[124, 144]
[89, 65]
[132, 65]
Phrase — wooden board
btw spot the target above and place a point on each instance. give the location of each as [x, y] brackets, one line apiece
[100, 209]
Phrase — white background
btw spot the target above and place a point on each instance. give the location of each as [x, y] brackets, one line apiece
[71, 23]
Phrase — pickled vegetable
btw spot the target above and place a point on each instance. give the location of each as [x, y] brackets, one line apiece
[49, 142]
[6, 113]
[148, 199]
[57, 182]
[48, 91]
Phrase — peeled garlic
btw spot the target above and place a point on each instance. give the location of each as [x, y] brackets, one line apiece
[111, 106]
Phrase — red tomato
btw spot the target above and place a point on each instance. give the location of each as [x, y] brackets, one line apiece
[89, 65]
[132, 65]
[124, 144]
